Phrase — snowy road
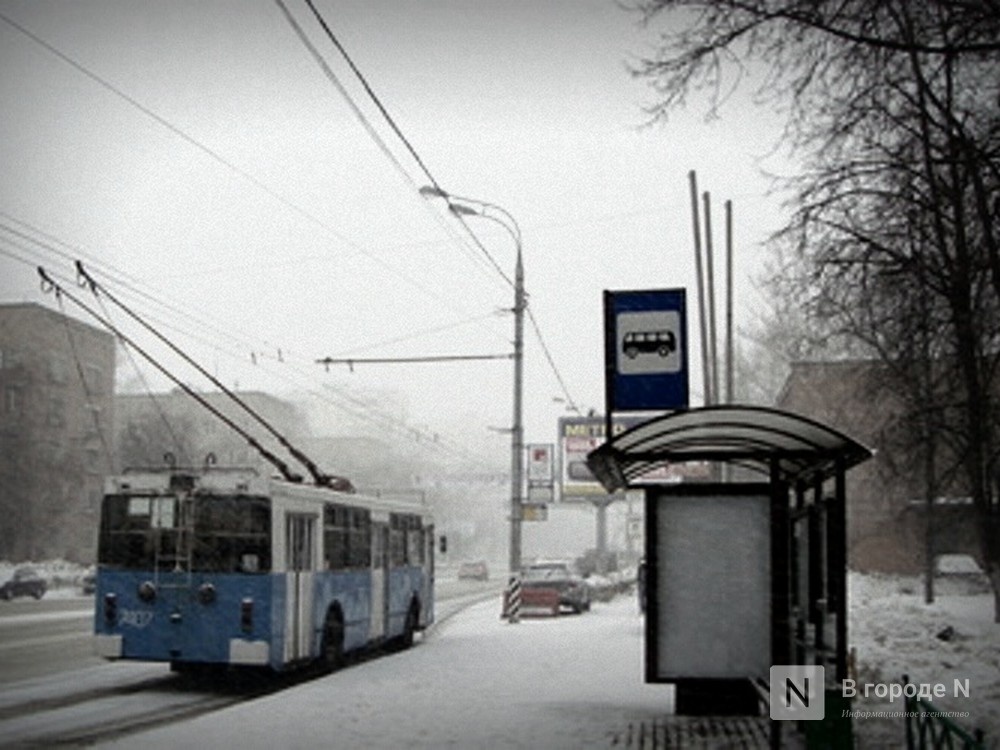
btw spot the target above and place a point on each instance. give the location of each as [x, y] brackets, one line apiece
[54, 691]
[474, 682]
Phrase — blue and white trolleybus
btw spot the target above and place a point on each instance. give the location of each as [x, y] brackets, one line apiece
[220, 566]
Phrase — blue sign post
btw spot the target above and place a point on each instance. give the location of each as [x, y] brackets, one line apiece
[645, 350]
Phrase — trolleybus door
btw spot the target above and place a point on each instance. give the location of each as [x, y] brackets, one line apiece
[380, 580]
[427, 593]
[300, 562]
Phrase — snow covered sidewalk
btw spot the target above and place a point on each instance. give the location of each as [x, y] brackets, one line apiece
[577, 682]
[474, 682]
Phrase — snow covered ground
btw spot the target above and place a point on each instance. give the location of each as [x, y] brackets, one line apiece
[576, 681]
[895, 633]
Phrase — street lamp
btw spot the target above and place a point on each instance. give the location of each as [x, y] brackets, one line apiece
[485, 210]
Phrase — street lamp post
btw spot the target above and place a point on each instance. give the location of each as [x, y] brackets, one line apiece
[462, 208]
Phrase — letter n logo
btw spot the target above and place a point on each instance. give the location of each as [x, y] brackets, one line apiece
[797, 692]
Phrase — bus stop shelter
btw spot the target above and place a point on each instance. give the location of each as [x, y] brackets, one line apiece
[747, 569]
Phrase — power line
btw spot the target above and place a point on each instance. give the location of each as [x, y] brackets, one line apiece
[346, 403]
[552, 364]
[383, 111]
[215, 156]
[351, 361]
[49, 284]
[416, 157]
[318, 477]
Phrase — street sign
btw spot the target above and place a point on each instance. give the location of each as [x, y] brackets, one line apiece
[540, 464]
[645, 350]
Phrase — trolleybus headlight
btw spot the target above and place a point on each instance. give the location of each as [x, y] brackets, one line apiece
[206, 593]
[246, 615]
[110, 608]
[147, 591]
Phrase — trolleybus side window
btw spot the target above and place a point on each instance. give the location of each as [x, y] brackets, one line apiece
[415, 542]
[406, 539]
[335, 537]
[360, 538]
[346, 537]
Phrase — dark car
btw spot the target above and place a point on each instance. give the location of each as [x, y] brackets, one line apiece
[26, 582]
[476, 571]
[573, 590]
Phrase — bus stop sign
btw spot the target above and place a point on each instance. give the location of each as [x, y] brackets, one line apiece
[645, 350]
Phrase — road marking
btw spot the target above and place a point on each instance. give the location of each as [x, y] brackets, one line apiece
[44, 641]
[76, 614]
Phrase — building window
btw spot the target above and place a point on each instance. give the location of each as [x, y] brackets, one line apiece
[8, 359]
[58, 372]
[12, 400]
[94, 378]
[57, 413]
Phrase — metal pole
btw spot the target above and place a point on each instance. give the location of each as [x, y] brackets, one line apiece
[707, 397]
[710, 280]
[517, 429]
[602, 534]
[729, 302]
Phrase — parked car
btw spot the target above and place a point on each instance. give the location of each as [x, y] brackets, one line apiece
[573, 590]
[88, 584]
[476, 571]
[26, 582]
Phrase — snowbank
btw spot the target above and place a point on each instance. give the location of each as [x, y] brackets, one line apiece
[894, 633]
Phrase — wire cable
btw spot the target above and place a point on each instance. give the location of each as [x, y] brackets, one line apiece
[356, 407]
[217, 157]
[49, 284]
[319, 477]
[385, 114]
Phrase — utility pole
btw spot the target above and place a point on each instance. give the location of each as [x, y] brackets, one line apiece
[517, 426]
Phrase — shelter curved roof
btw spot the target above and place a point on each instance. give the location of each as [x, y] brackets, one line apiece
[760, 438]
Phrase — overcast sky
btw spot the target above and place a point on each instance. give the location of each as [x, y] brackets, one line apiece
[199, 152]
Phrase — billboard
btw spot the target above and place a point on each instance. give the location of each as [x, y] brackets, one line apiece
[580, 435]
[708, 557]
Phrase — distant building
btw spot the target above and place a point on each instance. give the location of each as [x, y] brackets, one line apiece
[152, 428]
[887, 508]
[57, 384]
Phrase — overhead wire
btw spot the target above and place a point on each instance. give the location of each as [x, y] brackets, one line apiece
[318, 477]
[356, 407]
[50, 284]
[263, 186]
[217, 157]
[552, 364]
[413, 152]
[87, 391]
[385, 114]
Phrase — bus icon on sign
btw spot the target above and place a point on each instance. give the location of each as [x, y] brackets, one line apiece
[660, 342]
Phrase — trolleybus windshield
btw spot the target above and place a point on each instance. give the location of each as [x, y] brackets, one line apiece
[223, 533]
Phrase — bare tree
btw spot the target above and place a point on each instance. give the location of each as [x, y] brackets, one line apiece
[895, 107]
